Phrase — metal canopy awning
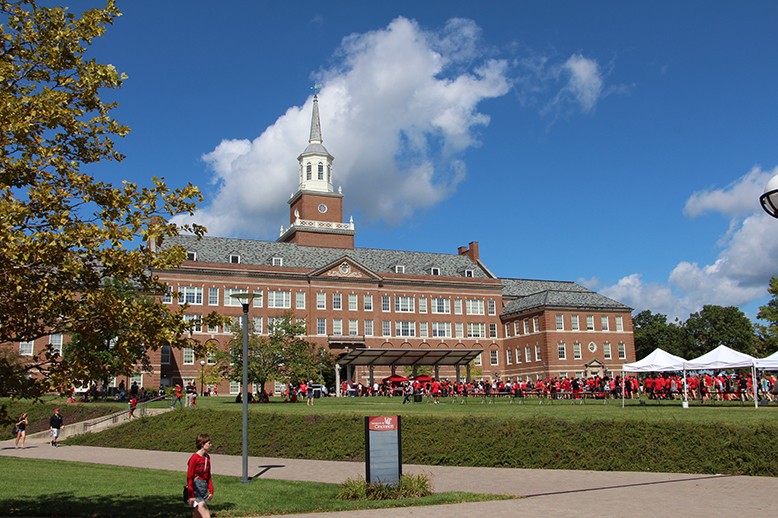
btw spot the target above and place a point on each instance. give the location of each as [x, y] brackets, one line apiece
[372, 357]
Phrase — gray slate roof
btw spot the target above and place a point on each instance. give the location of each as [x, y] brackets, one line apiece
[218, 250]
[532, 294]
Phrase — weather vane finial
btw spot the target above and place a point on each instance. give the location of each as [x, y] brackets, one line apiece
[316, 87]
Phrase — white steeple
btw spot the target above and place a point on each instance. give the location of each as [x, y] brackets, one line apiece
[315, 161]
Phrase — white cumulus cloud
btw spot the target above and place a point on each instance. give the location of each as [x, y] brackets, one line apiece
[398, 109]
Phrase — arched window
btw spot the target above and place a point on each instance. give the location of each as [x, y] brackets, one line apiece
[329, 173]
[308, 171]
[321, 171]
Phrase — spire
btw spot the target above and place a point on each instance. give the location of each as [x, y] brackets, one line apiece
[315, 123]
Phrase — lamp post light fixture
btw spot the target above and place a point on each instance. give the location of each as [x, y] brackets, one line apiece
[245, 299]
[770, 197]
[202, 377]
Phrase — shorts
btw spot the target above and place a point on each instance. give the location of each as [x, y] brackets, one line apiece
[55, 432]
[200, 490]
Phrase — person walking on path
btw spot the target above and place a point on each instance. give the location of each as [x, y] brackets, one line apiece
[177, 399]
[133, 405]
[55, 423]
[21, 430]
[198, 477]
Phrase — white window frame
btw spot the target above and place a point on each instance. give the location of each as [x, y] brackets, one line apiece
[605, 323]
[353, 327]
[26, 348]
[321, 300]
[494, 357]
[574, 323]
[192, 295]
[560, 322]
[619, 323]
[577, 351]
[441, 306]
[337, 327]
[321, 326]
[213, 296]
[299, 300]
[457, 306]
[367, 302]
[404, 304]
[368, 327]
[405, 328]
[538, 356]
[590, 322]
[474, 307]
[337, 301]
[279, 299]
[622, 347]
[353, 302]
[561, 350]
[492, 307]
[188, 356]
[606, 351]
[386, 303]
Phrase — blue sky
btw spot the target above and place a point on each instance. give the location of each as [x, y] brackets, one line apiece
[622, 145]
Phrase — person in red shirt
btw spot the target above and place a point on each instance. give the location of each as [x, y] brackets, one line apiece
[435, 387]
[179, 393]
[198, 477]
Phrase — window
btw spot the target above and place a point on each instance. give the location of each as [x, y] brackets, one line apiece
[404, 328]
[560, 323]
[604, 323]
[213, 296]
[299, 300]
[592, 347]
[606, 350]
[441, 329]
[337, 327]
[424, 329]
[576, 351]
[336, 301]
[590, 322]
[25, 348]
[619, 324]
[273, 323]
[279, 299]
[537, 352]
[492, 305]
[229, 300]
[278, 261]
[422, 304]
[404, 304]
[353, 327]
[188, 356]
[195, 321]
[574, 322]
[191, 256]
[385, 303]
[561, 351]
[434, 271]
[399, 268]
[308, 171]
[386, 328]
[367, 300]
[457, 306]
[507, 330]
[474, 307]
[493, 358]
[212, 329]
[167, 298]
[235, 385]
[321, 300]
[509, 357]
[257, 323]
[492, 330]
[476, 330]
[517, 327]
[259, 299]
[234, 259]
[320, 171]
[459, 330]
[528, 353]
[321, 326]
[352, 302]
[518, 355]
[368, 328]
[164, 355]
[526, 326]
[468, 273]
[441, 306]
[622, 351]
[190, 295]
[477, 360]
[536, 324]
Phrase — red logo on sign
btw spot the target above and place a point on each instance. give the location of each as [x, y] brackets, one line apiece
[385, 423]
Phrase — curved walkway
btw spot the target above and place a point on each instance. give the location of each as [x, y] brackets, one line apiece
[574, 493]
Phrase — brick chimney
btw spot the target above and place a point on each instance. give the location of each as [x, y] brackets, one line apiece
[471, 252]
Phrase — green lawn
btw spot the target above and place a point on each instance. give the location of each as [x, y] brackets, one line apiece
[30, 487]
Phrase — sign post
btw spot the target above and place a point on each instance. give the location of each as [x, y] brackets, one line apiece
[383, 451]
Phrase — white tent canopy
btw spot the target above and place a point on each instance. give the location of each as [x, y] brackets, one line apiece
[722, 357]
[769, 363]
[657, 361]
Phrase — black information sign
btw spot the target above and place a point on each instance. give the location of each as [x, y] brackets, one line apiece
[383, 452]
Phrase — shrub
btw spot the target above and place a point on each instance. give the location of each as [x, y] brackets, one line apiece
[409, 486]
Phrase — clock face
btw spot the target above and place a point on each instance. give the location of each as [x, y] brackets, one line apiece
[322, 208]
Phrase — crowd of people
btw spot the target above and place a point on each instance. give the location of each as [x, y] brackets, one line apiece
[703, 387]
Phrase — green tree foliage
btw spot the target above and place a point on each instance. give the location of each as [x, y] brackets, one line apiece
[769, 313]
[718, 325]
[651, 331]
[63, 234]
[283, 355]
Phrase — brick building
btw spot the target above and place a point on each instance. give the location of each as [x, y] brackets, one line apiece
[353, 298]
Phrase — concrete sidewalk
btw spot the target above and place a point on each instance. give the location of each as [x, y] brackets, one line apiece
[574, 493]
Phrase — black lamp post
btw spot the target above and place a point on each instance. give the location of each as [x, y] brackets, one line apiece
[245, 299]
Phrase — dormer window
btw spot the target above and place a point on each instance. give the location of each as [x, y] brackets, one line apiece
[468, 273]
[191, 256]
[434, 271]
[234, 259]
[278, 261]
[400, 268]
